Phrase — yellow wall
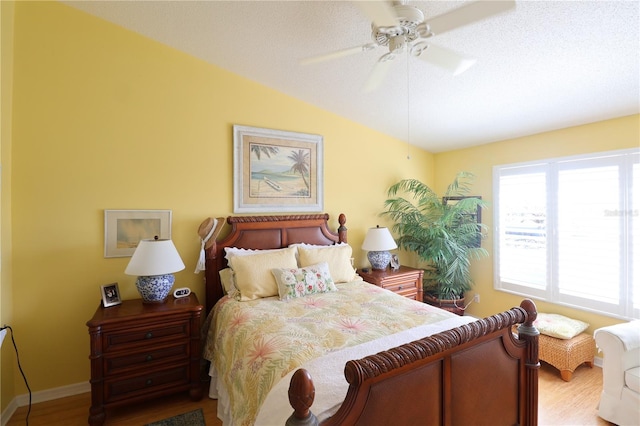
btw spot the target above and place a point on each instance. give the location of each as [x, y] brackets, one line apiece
[608, 135]
[7, 363]
[107, 119]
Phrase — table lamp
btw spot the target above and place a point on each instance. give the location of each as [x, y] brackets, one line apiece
[154, 262]
[378, 242]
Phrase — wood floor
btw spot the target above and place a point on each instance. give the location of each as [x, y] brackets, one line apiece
[560, 403]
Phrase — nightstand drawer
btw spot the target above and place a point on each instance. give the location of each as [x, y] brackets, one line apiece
[124, 388]
[407, 289]
[152, 356]
[404, 281]
[149, 334]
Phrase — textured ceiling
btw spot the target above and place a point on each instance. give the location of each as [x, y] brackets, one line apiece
[544, 65]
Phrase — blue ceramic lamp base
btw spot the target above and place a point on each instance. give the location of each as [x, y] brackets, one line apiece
[156, 288]
[379, 259]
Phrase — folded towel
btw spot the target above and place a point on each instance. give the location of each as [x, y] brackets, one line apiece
[628, 333]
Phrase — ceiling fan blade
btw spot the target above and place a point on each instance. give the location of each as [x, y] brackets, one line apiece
[378, 74]
[467, 14]
[447, 59]
[338, 54]
[379, 12]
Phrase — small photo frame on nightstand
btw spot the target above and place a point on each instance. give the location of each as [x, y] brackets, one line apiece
[110, 295]
[395, 262]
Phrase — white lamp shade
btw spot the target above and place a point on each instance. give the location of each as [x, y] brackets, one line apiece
[378, 239]
[154, 257]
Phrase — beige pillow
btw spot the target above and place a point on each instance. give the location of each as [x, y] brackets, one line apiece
[228, 281]
[338, 257]
[559, 326]
[253, 277]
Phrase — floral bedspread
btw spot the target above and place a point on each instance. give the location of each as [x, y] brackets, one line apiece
[253, 344]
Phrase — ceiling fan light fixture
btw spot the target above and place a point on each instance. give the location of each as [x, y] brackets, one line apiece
[409, 19]
[424, 30]
[408, 16]
[417, 48]
[396, 44]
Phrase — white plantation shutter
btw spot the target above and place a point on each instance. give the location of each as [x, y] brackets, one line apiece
[567, 230]
[523, 243]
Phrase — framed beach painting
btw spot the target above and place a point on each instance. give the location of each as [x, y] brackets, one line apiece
[123, 229]
[276, 171]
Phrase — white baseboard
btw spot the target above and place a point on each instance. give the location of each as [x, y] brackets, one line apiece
[597, 361]
[41, 396]
[8, 412]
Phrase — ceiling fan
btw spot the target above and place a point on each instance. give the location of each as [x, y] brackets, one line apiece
[400, 27]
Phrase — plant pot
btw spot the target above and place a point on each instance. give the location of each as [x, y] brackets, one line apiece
[452, 305]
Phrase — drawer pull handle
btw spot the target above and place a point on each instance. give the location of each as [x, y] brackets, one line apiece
[149, 357]
[149, 335]
[149, 382]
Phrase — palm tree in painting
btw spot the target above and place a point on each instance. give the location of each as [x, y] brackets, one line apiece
[267, 150]
[300, 164]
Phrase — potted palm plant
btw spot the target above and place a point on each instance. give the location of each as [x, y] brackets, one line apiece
[443, 234]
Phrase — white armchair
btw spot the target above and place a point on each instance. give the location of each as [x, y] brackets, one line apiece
[620, 399]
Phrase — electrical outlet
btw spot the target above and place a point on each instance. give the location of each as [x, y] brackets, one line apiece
[2, 334]
[476, 298]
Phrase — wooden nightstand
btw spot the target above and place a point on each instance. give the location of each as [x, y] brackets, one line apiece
[405, 281]
[142, 351]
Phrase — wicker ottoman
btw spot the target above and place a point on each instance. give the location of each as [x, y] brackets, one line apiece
[567, 355]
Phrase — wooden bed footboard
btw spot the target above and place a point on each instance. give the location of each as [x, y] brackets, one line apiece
[475, 374]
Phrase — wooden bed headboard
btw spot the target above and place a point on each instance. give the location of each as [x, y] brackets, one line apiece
[267, 232]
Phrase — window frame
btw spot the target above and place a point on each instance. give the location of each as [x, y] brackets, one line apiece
[550, 292]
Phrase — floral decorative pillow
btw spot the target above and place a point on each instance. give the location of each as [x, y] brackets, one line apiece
[559, 326]
[299, 282]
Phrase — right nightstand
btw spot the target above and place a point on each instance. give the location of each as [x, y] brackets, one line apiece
[405, 281]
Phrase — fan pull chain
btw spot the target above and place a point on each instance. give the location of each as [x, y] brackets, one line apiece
[408, 112]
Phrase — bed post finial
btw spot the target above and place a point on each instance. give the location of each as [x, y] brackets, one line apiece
[342, 230]
[301, 396]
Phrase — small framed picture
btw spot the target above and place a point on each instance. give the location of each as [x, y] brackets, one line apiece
[395, 262]
[110, 295]
[123, 229]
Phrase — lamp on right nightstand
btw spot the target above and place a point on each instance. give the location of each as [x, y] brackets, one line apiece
[378, 242]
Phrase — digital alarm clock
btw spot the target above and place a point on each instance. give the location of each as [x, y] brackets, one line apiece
[181, 292]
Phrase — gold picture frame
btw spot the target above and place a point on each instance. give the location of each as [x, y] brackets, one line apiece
[276, 171]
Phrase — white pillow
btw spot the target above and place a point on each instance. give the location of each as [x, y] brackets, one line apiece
[338, 257]
[253, 277]
[559, 326]
[299, 282]
[229, 252]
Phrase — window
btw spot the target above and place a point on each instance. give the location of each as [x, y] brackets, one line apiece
[568, 231]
